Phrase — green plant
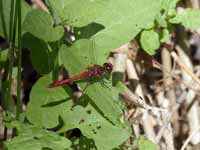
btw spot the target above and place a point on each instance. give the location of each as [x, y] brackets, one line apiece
[99, 26]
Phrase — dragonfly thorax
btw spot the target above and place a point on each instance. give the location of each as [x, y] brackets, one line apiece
[98, 70]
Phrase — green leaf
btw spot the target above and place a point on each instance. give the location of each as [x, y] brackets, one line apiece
[81, 55]
[83, 143]
[106, 99]
[40, 24]
[88, 11]
[34, 138]
[147, 145]
[76, 59]
[150, 41]
[56, 9]
[161, 20]
[189, 19]
[117, 30]
[42, 58]
[94, 126]
[46, 104]
[165, 36]
[113, 16]
[169, 7]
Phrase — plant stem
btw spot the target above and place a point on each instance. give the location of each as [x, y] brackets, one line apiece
[11, 39]
[18, 110]
[11, 57]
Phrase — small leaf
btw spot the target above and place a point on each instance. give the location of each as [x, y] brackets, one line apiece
[169, 6]
[165, 36]
[149, 40]
[189, 19]
[40, 24]
[161, 20]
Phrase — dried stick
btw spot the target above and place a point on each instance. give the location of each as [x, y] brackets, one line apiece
[189, 77]
[167, 64]
[166, 130]
[139, 101]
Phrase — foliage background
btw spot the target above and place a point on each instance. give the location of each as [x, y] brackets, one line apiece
[103, 117]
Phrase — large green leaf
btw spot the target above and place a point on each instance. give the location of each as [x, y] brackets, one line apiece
[76, 59]
[40, 24]
[120, 20]
[105, 97]
[34, 138]
[79, 56]
[128, 18]
[46, 104]
[87, 10]
[95, 127]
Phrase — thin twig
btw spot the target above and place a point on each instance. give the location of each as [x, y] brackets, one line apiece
[186, 69]
[189, 138]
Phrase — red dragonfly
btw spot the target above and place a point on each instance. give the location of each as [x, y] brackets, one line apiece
[94, 71]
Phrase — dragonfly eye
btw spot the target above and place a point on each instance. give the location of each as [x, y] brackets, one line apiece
[108, 66]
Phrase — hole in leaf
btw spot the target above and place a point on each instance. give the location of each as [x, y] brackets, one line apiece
[35, 138]
[98, 127]
[89, 111]
[94, 131]
[74, 133]
[162, 11]
[81, 121]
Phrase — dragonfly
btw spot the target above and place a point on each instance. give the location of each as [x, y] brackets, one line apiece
[93, 71]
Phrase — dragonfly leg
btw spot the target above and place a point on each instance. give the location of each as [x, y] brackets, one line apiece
[104, 83]
[85, 87]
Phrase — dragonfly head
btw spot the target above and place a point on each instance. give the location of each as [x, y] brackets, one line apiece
[108, 67]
